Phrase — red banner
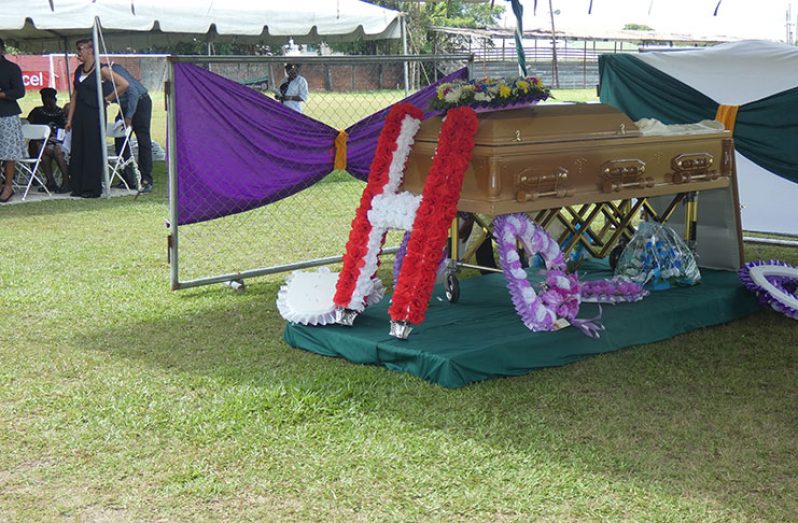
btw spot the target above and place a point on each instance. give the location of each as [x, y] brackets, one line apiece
[43, 71]
[35, 80]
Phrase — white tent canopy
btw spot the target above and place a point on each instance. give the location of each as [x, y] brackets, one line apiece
[40, 25]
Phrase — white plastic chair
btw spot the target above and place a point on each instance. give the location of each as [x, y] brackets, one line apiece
[28, 168]
[116, 161]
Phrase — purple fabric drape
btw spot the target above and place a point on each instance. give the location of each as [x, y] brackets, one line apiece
[364, 134]
[238, 149]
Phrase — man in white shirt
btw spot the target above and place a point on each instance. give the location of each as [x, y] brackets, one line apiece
[294, 90]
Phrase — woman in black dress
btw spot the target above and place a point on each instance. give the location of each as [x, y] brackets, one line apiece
[12, 144]
[86, 161]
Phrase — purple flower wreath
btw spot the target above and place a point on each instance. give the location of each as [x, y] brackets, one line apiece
[614, 290]
[775, 284]
[561, 293]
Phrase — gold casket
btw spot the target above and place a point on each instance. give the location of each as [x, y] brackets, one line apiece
[558, 155]
[572, 163]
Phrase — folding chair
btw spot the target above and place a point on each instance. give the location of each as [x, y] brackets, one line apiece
[116, 160]
[28, 168]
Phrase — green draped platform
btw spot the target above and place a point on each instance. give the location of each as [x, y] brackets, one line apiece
[481, 337]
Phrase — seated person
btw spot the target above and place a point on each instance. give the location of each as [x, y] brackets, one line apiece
[50, 114]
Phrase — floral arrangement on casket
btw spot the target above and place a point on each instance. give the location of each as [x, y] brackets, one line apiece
[490, 93]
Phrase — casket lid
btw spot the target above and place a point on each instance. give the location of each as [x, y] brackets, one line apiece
[544, 124]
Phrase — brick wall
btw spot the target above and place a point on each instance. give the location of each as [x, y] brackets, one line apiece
[152, 72]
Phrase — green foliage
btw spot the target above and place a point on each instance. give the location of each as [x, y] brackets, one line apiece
[368, 47]
[11, 49]
[199, 47]
[461, 14]
[421, 16]
[637, 27]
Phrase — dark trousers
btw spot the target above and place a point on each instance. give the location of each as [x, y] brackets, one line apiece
[141, 127]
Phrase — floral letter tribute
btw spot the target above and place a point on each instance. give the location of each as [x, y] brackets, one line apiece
[381, 207]
[558, 303]
[561, 296]
[438, 207]
[428, 216]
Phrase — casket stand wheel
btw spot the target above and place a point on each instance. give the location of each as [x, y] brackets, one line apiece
[452, 287]
[452, 284]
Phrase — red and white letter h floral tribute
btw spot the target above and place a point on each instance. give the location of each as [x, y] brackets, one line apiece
[427, 217]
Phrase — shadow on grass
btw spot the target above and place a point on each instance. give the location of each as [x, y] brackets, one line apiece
[70, 206]
[67, 206]
[706, 416]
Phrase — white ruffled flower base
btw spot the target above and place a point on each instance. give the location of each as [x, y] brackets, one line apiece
[306, 298]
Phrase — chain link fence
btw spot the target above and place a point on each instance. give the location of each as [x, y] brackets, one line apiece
[307, 224]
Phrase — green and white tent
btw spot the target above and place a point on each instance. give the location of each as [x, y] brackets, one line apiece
[759, 78]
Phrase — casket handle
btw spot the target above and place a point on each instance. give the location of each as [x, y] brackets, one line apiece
[621, 174]
[531, 184]
[690, 167]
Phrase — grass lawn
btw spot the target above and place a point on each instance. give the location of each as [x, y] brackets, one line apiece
[123, 401]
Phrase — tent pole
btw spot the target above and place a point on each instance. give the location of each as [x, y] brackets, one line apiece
[101, 106]
[52, 72]
[171, 155]
[68, 69]
[404, 51]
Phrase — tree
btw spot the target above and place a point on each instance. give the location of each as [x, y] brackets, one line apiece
[421, 39]
[421, 17]
[200, 47]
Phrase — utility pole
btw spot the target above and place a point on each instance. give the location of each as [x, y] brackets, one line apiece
[790, 38]
[555, 72]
